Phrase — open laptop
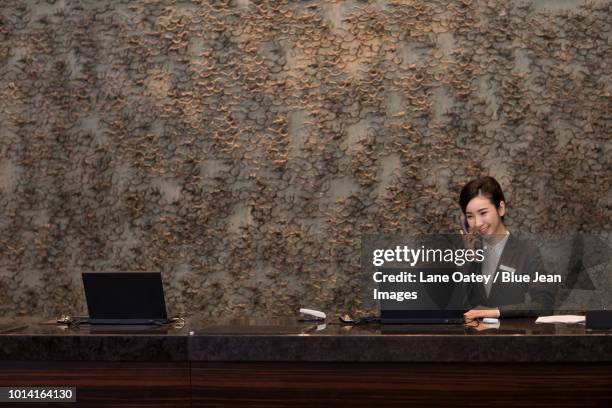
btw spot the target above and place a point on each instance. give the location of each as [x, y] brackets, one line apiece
[440, 303]
[124, 298]
[421, 316]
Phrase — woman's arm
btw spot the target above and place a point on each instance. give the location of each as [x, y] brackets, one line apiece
[539, 297]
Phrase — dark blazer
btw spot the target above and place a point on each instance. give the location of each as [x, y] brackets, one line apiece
[515, 299]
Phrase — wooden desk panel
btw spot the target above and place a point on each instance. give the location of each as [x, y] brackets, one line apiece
[104, 384]
[400, 385]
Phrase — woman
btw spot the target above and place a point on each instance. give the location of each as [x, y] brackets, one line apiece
[483, 204]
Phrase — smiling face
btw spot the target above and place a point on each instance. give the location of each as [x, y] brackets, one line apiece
[484, 218]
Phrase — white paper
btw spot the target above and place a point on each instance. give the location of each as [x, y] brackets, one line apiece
[561, 319]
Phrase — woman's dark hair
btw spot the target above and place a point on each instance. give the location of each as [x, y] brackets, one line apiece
[485, 186]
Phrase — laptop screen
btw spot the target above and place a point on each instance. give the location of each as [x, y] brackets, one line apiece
[434, 303]
[124, 295]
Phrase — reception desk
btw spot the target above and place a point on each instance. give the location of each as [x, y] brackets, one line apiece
[283, 362]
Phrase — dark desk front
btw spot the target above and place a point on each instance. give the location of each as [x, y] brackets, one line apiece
[109, 366]
[283, 362]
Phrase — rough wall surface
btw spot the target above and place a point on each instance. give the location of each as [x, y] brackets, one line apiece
[243, 147]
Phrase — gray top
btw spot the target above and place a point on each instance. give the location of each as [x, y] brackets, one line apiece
[492, 255]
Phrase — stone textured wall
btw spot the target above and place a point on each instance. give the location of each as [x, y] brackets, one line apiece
[243, 147]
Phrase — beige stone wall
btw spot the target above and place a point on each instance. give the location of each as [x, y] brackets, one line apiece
[243, 147]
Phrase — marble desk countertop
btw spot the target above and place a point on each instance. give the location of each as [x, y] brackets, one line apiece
[202, 339]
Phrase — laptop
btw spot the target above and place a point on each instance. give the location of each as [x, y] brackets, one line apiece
[439, 303]
[421, 316]
[125, 298]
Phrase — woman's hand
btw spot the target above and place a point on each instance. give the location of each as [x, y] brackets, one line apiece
[474, 314]
[469, 240]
